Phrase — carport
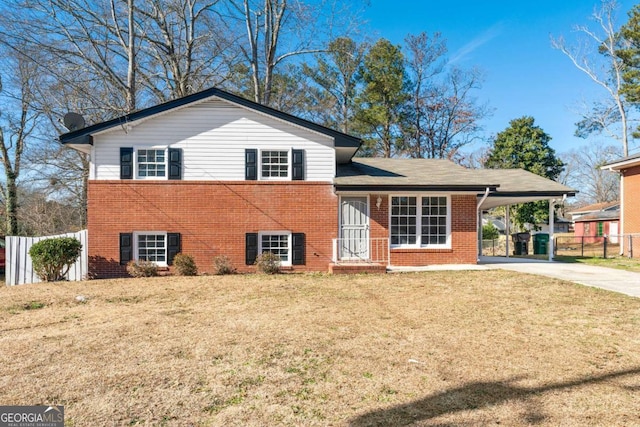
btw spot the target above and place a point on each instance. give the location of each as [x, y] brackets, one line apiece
[519, 186]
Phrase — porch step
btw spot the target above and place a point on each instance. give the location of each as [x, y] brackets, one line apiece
[357, 268]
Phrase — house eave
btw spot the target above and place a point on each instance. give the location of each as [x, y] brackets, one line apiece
[473, 189]
[622, 164]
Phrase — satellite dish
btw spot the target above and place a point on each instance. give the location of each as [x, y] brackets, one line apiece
[73, 121]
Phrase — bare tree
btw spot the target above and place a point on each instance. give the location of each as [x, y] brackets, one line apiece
[595, 55]
[584, 172]
[187, 47]
[450, 116]
[19, 122]
[445, 115]
[276, 30]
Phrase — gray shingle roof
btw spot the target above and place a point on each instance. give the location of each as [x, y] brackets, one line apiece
[377, 172]
[507, 186]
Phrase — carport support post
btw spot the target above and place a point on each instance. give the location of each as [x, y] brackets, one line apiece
[552, 205]
[507, 228]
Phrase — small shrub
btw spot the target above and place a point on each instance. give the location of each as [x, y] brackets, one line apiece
[268, 263]
[490, 232]
[142, 269]
[222, 265]
[52, 257]
[185, 265]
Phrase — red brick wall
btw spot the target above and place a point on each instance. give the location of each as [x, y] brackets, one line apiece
[632, 200]
[464, 238]
[212, 218]
[632, 209]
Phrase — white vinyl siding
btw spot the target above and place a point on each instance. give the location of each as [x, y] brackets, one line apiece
[213, 136]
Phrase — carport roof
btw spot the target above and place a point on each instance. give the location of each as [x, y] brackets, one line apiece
[506, 186]
[520, 186]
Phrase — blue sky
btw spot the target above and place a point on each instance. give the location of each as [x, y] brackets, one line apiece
[510, 42]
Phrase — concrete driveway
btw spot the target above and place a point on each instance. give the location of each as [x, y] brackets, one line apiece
[611, 279]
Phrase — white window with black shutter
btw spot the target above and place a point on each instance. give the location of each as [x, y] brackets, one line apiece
[158, 247]
[274, 164]
[150, 163]
[288, 246]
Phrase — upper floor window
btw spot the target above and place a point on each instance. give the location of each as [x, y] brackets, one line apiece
[274, 164]
[151, 163]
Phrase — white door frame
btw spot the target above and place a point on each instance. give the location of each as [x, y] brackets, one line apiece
[354, 238]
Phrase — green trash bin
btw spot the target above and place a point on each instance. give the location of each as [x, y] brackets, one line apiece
[540, 243]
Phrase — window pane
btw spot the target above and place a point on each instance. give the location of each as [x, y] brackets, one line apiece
[275, 164]
[277, 244]
[151, 247]
[404, 221]
[151, 163]
[434, 220]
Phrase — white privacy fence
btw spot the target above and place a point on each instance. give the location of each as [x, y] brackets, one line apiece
[19, 268]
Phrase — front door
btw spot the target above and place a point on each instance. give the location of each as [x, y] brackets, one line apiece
[354, 228]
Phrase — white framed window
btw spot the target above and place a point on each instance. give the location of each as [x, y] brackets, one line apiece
[420, 221]
[151, 246]
[151, 163]
[274, 164]
[276, 242]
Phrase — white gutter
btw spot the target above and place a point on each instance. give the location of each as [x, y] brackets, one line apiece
[479, 221]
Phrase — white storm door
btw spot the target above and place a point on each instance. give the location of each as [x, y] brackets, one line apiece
[354, 228]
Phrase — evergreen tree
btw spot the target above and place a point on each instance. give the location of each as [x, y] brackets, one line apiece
[384, 101]
[526, 146]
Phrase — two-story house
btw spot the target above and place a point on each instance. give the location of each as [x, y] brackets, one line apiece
[215, 174]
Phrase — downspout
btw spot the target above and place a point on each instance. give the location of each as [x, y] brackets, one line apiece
[479, 221]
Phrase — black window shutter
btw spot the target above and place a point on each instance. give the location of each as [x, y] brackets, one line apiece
[175, 163]
[126, 248]
[173, 246]
[251, 248]
[126, 163]
[297, 247]
[297, 165]
[251, 164]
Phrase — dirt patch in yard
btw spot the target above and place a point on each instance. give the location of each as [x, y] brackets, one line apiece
[436, 348]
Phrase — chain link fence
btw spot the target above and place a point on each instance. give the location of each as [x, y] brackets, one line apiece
[627, 245]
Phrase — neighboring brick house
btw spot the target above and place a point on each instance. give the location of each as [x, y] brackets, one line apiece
[215, 174]
[593, 222]
[629, 169]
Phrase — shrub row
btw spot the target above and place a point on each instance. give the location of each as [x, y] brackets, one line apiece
[185, 265]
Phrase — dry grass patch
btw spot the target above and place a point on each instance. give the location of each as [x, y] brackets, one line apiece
[437, 348]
